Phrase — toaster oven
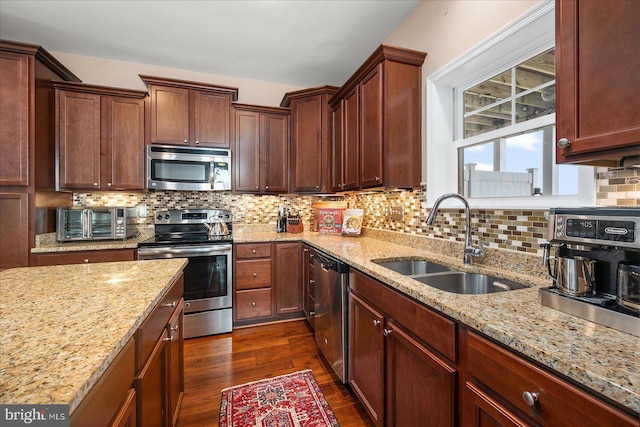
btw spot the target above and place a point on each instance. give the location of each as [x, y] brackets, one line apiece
[97, 223]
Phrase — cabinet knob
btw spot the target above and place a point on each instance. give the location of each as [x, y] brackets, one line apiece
[168, 339]
[306, 249]
[257, 187]
[563, 143]
[86, 260]
[185, 141]
[187, 304]
[197, 142]
[171, 304]
[175, 328]
[95, 184]
[255, 275]
[311, 281]
[377, 178]
[376, 323]
[530, 398]
[253, 304]
[253, 251]
[387, 332]
[108, 184]
[266, 187]
[312, 313]
[317, 186]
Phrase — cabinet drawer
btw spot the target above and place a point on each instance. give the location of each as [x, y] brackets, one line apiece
[253, 303]
[86, 257]
[559, 403]
[253, 250]
[253, 274]
[152, 327]
[435, 330]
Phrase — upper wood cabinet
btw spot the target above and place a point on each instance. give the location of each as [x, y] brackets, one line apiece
[261, 149]
[598, 84]
[100, 137]
[310, 157]
[380, 108]
[189, 113]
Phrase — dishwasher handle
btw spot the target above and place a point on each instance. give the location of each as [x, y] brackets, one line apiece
[328, 263]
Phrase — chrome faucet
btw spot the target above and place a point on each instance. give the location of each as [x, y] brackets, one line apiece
[469, 249]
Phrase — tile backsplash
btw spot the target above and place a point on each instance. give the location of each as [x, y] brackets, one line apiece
[521, 230]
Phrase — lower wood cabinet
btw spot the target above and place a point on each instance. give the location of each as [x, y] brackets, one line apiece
[86, 257]
[399, 379]
[267, 282]
[308, 282]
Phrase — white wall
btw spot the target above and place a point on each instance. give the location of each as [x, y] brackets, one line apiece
[121, 74]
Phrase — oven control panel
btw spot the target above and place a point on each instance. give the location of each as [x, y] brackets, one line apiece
[602, 230]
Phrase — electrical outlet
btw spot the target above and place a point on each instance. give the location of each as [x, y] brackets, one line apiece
[395, 213]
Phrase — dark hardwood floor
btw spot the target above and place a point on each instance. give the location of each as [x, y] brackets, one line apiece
[250, 354]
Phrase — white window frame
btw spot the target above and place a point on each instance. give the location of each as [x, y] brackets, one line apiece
[531, 34]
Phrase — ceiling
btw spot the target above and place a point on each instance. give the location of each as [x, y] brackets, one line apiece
[301, 43]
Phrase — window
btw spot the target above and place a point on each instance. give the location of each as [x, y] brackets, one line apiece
[491, 121]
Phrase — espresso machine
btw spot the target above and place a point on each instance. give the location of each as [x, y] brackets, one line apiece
[593, 256]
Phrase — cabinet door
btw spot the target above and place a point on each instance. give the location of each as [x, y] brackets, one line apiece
[151, 386]
[85, 257]
[419, 385]
[14, 230]
[14, 119]
[175, 363]
[288, 278]
[351, 142]
[123, 156]
[486, 412]
[308, 301]
[275, 134]
[371, 129]
[307, 150]
[366, 357]
[78, 139]
[169, 115]
[597, 79]
[126, 415]
[337, 148]
[247, 152]
[211, 119]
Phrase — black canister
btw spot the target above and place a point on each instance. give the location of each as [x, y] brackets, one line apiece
[629, 286]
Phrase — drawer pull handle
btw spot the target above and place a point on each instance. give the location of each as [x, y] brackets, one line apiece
[253, 304]
[387, 332]
[86, 261]
[255, 275]
[530, 398]
[171, 304]
[376, 323]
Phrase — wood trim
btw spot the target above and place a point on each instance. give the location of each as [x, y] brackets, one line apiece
[186, 84]
[99, 90]
[261, 109]
[41, 55]
[303, 93]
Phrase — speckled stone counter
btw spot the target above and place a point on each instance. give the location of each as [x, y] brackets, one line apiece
[61, 326]
[600, 358]
[46, 243]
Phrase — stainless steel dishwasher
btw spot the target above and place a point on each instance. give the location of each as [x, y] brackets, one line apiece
[331, 292]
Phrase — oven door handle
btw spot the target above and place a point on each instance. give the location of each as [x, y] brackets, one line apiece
[183, 251]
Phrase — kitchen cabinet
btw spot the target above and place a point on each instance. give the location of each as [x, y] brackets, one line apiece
[505, 389]
[401, 357]
[159, 381]
[84, 257]
[310, 159]
[261, 149]
[597, 85]
[27, 147]
[308, 282]
[381, 109]
[288, 278]
[267, 282]
[189, 113]
[345, 169]
[100, 137]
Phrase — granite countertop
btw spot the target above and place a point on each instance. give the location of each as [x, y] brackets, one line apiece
[602, 359]
[61, 326]
[47, 243]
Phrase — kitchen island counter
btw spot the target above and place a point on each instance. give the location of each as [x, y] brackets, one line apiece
[62, 326]
[600, 358]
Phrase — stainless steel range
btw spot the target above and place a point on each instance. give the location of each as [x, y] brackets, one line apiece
[596, 267]
[204, 237]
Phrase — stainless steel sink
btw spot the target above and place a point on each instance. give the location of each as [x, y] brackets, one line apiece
[413, 267]
[468, 283]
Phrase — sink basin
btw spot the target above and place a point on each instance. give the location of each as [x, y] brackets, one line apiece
[413, 267]
[468, 283]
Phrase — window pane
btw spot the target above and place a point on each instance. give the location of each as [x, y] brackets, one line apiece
[488, 120]
[486, 93]
[533, 104]
[536, 71]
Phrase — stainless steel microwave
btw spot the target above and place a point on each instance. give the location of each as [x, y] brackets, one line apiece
[98, 223]
[188, 168]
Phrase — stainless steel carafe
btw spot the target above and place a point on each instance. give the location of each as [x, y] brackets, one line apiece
[573, 275]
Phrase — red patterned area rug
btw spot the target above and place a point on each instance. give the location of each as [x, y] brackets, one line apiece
[286, 401]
